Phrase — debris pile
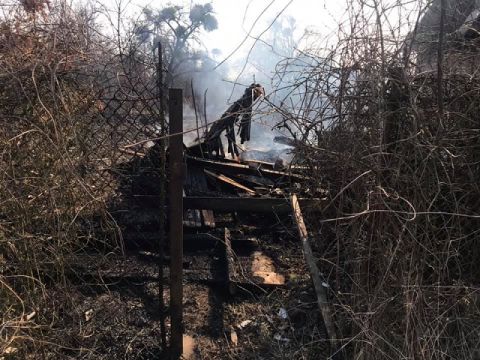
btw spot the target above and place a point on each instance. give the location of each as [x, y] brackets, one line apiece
[239, 110]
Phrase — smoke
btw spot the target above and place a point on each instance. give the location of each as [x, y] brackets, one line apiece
[216, 87]
[226, 83]
[278, 65]
[212, 94]
[262, 66]
[275, 62]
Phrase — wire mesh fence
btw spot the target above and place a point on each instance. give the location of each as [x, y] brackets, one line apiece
[77, 117]
[392, 143]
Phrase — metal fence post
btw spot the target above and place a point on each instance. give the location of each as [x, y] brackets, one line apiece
[162, 201]
[175, 195]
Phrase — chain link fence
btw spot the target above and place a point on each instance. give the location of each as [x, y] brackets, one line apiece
[78, 159]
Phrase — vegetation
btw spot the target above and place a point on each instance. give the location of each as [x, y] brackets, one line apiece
[394, 147]
[178, 31]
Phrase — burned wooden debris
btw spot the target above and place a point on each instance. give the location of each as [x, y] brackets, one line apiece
[216, 187]
[235, 217]
[319, 285]
[277, 205]
[239, 110]
[216, 184]
[230, 181]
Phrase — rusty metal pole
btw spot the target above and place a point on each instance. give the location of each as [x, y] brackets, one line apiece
[175, 195]
[162, 201]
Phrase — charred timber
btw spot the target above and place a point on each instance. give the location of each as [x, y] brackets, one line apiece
[236, 168]
[248, 204]
[239, 110]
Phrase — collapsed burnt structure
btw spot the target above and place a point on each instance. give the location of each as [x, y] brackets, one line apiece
[234, 218]
[240, 110]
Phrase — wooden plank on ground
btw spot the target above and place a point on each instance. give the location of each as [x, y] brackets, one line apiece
[320, 289]
[229, 259]
[256, 269]
[264, 271]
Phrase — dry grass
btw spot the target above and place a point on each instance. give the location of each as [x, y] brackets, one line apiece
[398, 243]
[399, 240]
[49, 205]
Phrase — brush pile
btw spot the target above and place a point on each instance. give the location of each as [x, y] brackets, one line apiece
[398, 151]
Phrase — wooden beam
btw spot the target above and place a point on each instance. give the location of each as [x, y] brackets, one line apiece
[229, 181]
[321, 293]
[250, 204]
[260, 163]
[236, 168]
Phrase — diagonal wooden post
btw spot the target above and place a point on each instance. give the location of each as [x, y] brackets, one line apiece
[320, 291]
[175, 195]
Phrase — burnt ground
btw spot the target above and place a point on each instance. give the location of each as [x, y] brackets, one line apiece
[113, 309]
[247, 291]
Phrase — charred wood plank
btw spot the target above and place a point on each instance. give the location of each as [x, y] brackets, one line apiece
[261, 205]
[197, 183]
[192, 217]
[261, 164]
[229, 181]
[237, 168]
[208, 218]
[321, 293]
[229, 263]
[256, 181]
